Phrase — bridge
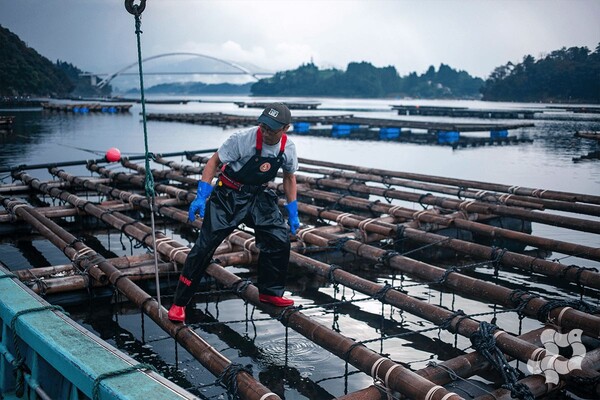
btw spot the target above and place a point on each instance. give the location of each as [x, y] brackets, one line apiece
[237, 69]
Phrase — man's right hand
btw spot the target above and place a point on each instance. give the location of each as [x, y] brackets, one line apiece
[199, 204]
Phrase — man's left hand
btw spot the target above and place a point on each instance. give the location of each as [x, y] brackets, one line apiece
[292, 209]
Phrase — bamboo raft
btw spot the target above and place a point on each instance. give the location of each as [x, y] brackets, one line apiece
[369, 214]
[347, 126]
[594, 135]
[300, 105]
[464, 112]
[87, 107]
[6, 123]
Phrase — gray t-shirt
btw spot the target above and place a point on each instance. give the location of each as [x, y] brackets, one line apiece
[241, 146]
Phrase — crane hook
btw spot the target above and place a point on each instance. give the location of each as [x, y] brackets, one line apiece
[134, 8]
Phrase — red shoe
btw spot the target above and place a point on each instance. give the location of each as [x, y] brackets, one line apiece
[275, 300]
[177, 313]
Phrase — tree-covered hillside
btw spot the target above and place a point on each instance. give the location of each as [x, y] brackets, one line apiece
[25, 72]
[365, 80]
[565, 75]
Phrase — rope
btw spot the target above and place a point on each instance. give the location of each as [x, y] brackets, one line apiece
[483, 341]
[107, 375]
[149, 181]
[228, 378]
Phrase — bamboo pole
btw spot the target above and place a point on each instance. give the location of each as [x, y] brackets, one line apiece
[399, 378]
[527, 263]
[202, 351]
[483, 195]
[459, 220]
[566, 317]
[468, 206]
[541, 193]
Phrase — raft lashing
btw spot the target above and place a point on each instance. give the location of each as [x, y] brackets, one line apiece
[414, 286]
[347, 126]
[84, 108]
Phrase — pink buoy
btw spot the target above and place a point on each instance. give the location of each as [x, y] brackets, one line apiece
[113, 154]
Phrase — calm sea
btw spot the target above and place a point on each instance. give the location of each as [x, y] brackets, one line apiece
[304, 371]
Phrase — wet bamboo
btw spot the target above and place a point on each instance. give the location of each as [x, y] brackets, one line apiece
[509, 199]
[164, 174]
[461, 366]
[586, 277]
[399, 378]
[468, 206]
[459, 221]
[520, 261]
[119, 262]
[77, 282]
[202, 351]
[516, 347]
[474, 288]
[541, 193]
[459, 192]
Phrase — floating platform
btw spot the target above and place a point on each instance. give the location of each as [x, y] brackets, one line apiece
[6, 123]
[464, 112]
[224, 120]
[594, 135]
[299, 105]
[445, 238]
[87, 107]
[578, 109]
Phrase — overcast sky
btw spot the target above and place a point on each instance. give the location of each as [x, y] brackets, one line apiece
[471, 35]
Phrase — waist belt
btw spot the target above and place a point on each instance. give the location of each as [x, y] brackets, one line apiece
[224, 180]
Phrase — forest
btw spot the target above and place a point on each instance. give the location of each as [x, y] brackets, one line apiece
[362, 79]
[566, 75]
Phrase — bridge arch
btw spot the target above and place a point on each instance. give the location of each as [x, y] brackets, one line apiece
[112, 76]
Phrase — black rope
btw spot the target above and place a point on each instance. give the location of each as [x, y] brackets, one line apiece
[370, 207]
[385, 196]
[228, 378]
[447, 322]
[484, 342]
[107, 375]
[338, 244]
[522, 298]
[421, 200]
[442, 280]
[380, 294]
[9, 275]
[330, 276]
[544, 311]
[384, 259]
[242, 285]
[496, 257]
[578, 273]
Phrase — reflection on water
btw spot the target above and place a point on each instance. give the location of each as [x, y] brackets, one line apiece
[280, 358]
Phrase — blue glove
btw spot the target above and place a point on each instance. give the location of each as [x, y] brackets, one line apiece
[199, 203]
[292, 209]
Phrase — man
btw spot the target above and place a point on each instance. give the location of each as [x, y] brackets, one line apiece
[250, 158]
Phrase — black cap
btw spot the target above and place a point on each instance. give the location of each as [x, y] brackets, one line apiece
[276, 116]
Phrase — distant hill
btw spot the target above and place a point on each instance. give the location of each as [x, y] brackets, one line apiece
[365, 80]
[567, 75]
[197, 88]
[24, 72]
